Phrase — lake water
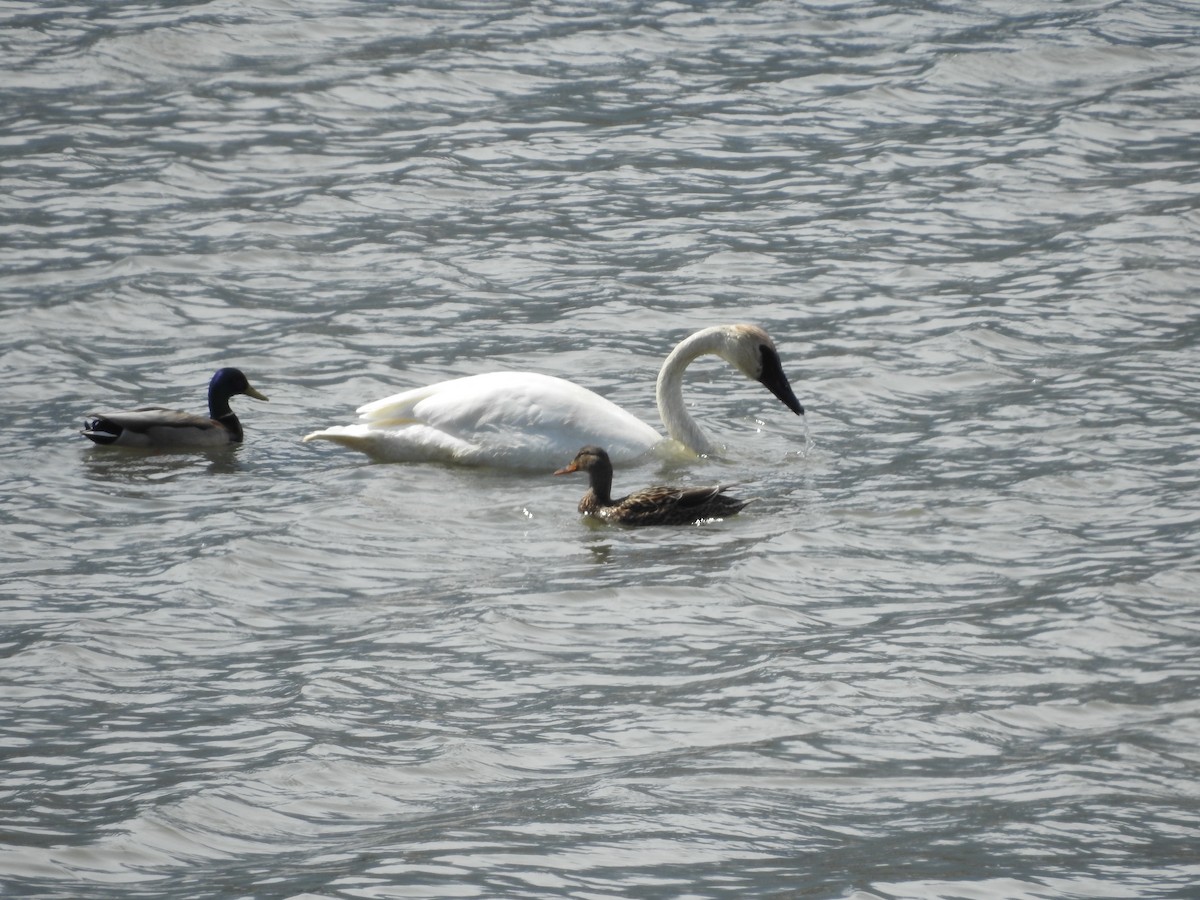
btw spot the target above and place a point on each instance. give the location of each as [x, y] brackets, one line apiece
[952, 652]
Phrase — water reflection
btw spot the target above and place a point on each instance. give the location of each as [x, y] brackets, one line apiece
[112, 464]
[601, 551]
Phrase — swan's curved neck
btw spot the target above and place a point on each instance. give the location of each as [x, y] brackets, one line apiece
[669, 390]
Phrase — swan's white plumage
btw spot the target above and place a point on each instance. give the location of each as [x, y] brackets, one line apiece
[501, 418]
[527, 420]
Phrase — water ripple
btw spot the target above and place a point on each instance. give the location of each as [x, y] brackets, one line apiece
[949, 653]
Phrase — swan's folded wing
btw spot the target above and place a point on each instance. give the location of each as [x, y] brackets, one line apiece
[508, 411]
[520, 419]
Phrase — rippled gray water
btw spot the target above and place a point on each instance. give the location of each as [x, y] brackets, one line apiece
[952, 653]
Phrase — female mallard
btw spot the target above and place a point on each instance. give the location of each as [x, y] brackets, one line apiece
[167, 429]
[652, 506]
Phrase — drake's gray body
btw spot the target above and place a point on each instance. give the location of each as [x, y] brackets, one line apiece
[153, 427]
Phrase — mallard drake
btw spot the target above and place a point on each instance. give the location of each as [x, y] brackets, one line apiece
[528, 420]
[651, 506]
[168, 429]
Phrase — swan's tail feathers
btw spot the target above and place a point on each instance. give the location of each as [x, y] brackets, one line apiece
[411, 443]
[346, 435]
[375, 444]
[392, 422]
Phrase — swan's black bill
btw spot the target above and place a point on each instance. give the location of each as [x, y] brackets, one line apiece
[773, 379]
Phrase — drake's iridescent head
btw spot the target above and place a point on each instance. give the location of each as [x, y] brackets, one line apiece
[228, 382]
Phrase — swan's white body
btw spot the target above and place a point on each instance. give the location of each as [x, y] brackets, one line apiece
[511, 419]
[527, 420]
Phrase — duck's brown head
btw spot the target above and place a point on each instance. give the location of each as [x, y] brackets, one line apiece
[589, 459]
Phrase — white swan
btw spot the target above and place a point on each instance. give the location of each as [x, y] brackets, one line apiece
[527, 420]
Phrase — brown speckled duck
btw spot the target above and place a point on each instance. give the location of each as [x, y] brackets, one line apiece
[153, 427]
[652, 506]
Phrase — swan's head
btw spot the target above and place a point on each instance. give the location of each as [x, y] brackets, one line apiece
[751, 350]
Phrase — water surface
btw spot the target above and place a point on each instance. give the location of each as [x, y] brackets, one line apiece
[950, 653]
